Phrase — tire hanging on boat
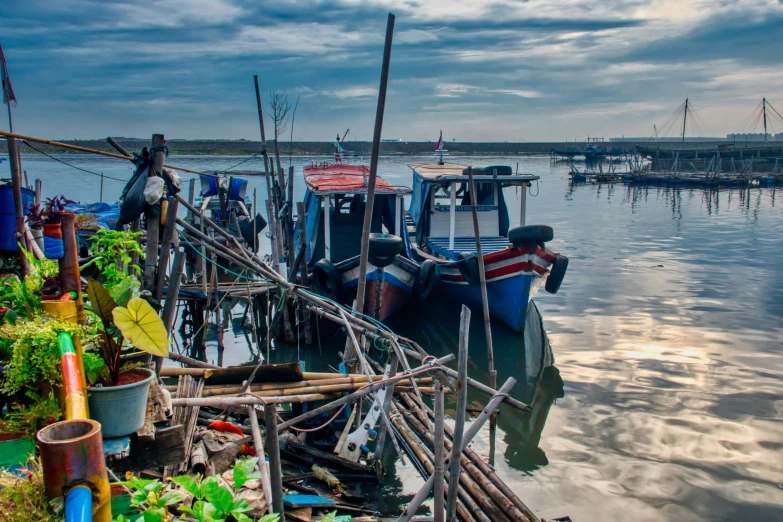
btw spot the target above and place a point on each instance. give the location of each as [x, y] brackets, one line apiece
[469, 268]
[383, 249]
[426, 279]
[556, 274]
[327, 281]
[528, 234]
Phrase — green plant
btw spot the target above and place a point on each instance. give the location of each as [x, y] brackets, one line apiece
[35, 358]
[138, 323]
[31, 418]
[95, 369]
[24, 297]
[212, 502]
[23, 496]
[151, 499]
[111, 252]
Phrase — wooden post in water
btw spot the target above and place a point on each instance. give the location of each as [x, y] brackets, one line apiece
[38, 192]
[270, 211]
[169, 240]
[459, 418]
[303, 278]
[263, 467]
[437, 488]
[170, 307]
[273, 447]
[16, 185]
[348, 354]
[289, 225]
[484, 299]
[153, 220]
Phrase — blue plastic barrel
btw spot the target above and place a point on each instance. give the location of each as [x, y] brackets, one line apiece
[8, 213]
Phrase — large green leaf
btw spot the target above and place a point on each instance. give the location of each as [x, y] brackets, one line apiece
[243, 472]
[101, 301]
[128, 288]
[140, 324]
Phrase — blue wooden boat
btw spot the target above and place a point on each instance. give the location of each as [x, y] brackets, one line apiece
[335, 202]
[440, 236]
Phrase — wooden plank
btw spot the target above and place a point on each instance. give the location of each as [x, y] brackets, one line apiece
[168, 448]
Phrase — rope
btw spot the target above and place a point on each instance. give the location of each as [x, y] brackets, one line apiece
[238, 164]
[216, 263]
[73, 166]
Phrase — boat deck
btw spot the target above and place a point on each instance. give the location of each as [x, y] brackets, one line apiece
[440, 245]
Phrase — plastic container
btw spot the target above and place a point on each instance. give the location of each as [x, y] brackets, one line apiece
[120, 409]
[8, 214]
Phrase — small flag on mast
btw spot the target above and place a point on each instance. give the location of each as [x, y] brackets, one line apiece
[439, 148]
[8, 91]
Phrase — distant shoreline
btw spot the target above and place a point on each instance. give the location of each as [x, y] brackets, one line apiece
[358, 148]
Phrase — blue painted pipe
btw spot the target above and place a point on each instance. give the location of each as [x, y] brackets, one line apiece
[78, 505]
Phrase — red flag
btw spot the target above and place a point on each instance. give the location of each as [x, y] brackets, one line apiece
[439, 148]
[8, 91]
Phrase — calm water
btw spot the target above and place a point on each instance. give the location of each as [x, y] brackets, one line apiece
[664, 398]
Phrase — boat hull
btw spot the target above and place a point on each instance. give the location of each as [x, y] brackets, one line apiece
[388, 290]
[513, 275]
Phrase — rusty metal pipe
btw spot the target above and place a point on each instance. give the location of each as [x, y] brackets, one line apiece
[72, 456]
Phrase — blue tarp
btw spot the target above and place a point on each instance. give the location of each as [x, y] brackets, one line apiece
[312, 204]
[421, 191]
[107, 214]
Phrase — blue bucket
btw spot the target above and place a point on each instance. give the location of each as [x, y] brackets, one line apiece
[8, 214]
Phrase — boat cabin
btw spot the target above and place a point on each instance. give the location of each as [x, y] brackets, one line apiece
[441, 211]
[335, 202]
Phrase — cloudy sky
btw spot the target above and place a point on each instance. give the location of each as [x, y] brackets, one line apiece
[480, 70]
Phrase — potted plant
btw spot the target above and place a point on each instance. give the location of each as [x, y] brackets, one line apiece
[48, 218]
[119, 401]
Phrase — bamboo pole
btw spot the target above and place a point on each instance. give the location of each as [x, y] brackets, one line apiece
[247, 400]
[471, 432]
[459, 419]
[94, 151]
[481, 466]
[467, 508]
[168, 241]
[436, 363]
[170, 307]
[194, 363]
[348, 355]
[275, 471]
[303, 385]
[468, 487]
[153, 221]
[16, 182]
[382, 430]
[484, 300]
[488, 489]
[304, 280]
[439, 509]
[263, 467]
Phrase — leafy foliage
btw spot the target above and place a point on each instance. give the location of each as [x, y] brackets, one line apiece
[95, 370]
[243, 472]
[31, 418]
[23, 496]
[212, 502]
[151, 498]
[142, 325]
[36, 355]
[48, 213]
[111, 252]
[138, 323]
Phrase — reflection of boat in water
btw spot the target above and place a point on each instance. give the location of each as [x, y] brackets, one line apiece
[531, 364]
[542, 386]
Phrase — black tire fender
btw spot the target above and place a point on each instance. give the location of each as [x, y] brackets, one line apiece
[426, 280]
[530, 234]
[556, 274]
[383, 249]
[327, 281]
[467, 262]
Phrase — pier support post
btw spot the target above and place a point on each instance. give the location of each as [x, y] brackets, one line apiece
[273, 447]
[459, 418]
